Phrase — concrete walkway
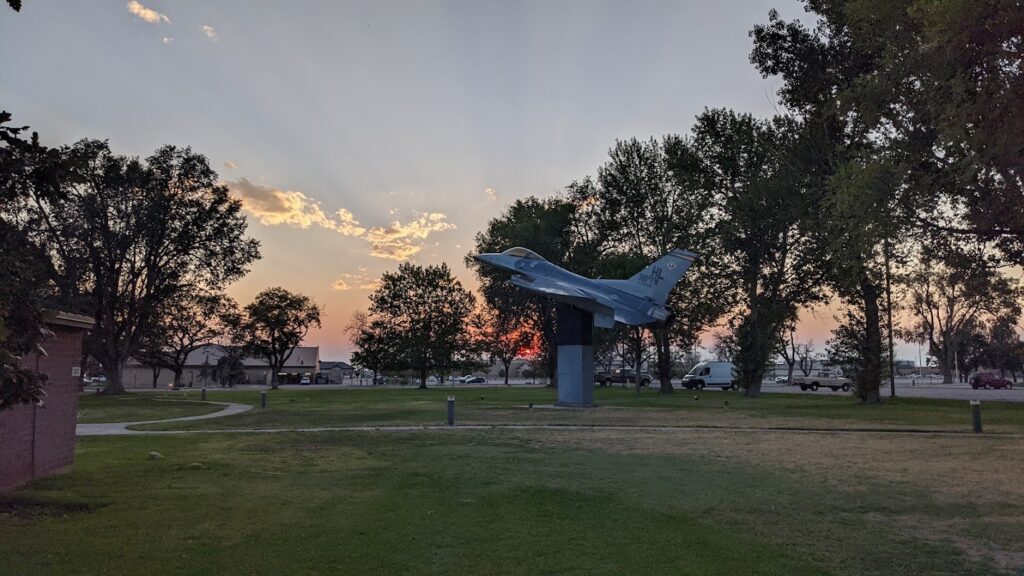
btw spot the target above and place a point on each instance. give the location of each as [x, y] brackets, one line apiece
[121, 428]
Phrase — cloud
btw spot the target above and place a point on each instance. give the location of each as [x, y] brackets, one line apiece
[230, 165]
[397, 241]
[402, 241]
[147, 15]
[167, 40]
[355, 281]
[491, 193]
[209, 31]
[273, 207]
[347, 224]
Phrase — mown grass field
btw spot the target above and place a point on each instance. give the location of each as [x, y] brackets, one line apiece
[617, 406]
[601, 500]
[138, 407]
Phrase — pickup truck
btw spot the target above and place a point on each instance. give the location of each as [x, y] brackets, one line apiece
[621, 376]
[825, 379]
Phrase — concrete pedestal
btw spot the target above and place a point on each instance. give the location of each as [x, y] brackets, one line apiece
[573, 337]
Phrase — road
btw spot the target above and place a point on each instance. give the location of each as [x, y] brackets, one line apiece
[906, 388]
[918, 389]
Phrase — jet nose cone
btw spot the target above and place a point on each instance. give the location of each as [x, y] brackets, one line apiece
[491, 259]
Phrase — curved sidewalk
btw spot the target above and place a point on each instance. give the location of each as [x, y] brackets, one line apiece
[121, 428]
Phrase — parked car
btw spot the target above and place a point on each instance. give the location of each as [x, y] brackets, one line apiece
[704, 374]
[989, 380]
[304, 380]
[622, 376]
[781, 380]
[475, 380]
[826, 378]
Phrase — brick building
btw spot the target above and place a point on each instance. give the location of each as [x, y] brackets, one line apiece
[38, 441]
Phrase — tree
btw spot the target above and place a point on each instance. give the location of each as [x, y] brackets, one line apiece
[806, 357]
[942, 91]
[418, 317]
[184, 323]
[764, 208]
[27, 169]
[1003, 347]
[504, 336]
[642, 205]
[949, 299]
[372, 349]
[130, 234]
[553, 229]
[853, 175]
[274, 324]
[787, 348]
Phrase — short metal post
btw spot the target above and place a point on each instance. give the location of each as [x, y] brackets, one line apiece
[263, 398]
[451, 410]
[976, 415]
[203, 396]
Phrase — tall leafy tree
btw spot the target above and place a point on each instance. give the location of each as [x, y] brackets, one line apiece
[943, 92]
[129, 234]
[372, 349]
[764, 222]
[419, 315]
[643, 204]
[184, 323]
[949, 300]
[553, 229]
[846, 161]
[27, 169]
[504, 336]
[274, 324]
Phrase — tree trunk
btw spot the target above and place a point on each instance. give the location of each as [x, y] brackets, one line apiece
[114, 374]
[664, 361]
[274, 384]
[177, 377]
[507, 365]
[870, 377]
[156, 375]
[947, 365]
[789, 374]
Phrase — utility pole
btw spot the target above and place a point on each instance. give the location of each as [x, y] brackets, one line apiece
[888, 306]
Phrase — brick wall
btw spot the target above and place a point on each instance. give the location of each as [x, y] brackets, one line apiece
[38, 441]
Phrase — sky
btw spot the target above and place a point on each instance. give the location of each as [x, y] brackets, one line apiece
[363, 134]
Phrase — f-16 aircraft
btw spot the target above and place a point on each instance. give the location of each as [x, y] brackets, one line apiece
[639, 301]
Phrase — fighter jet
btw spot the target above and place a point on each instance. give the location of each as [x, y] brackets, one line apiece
[639, 301]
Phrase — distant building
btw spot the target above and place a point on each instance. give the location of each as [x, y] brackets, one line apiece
[332, 372]
[201, 369]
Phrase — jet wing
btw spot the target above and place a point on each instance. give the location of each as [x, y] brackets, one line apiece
[563, 292]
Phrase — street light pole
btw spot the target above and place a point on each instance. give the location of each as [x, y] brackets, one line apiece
[888, 306]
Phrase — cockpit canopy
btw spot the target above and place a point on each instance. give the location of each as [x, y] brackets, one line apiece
[520, 252]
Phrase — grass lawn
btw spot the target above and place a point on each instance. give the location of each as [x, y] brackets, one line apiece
[365, 407]
[742, 493]
[94, 409]
[522, 502]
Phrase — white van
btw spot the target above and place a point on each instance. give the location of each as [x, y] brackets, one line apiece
[711, 374]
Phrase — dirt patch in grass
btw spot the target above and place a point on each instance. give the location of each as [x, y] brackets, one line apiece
[17, 507]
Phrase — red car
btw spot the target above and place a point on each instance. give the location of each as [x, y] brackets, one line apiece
[989, 380]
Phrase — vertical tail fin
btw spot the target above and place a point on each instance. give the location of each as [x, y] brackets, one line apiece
[657, 280]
